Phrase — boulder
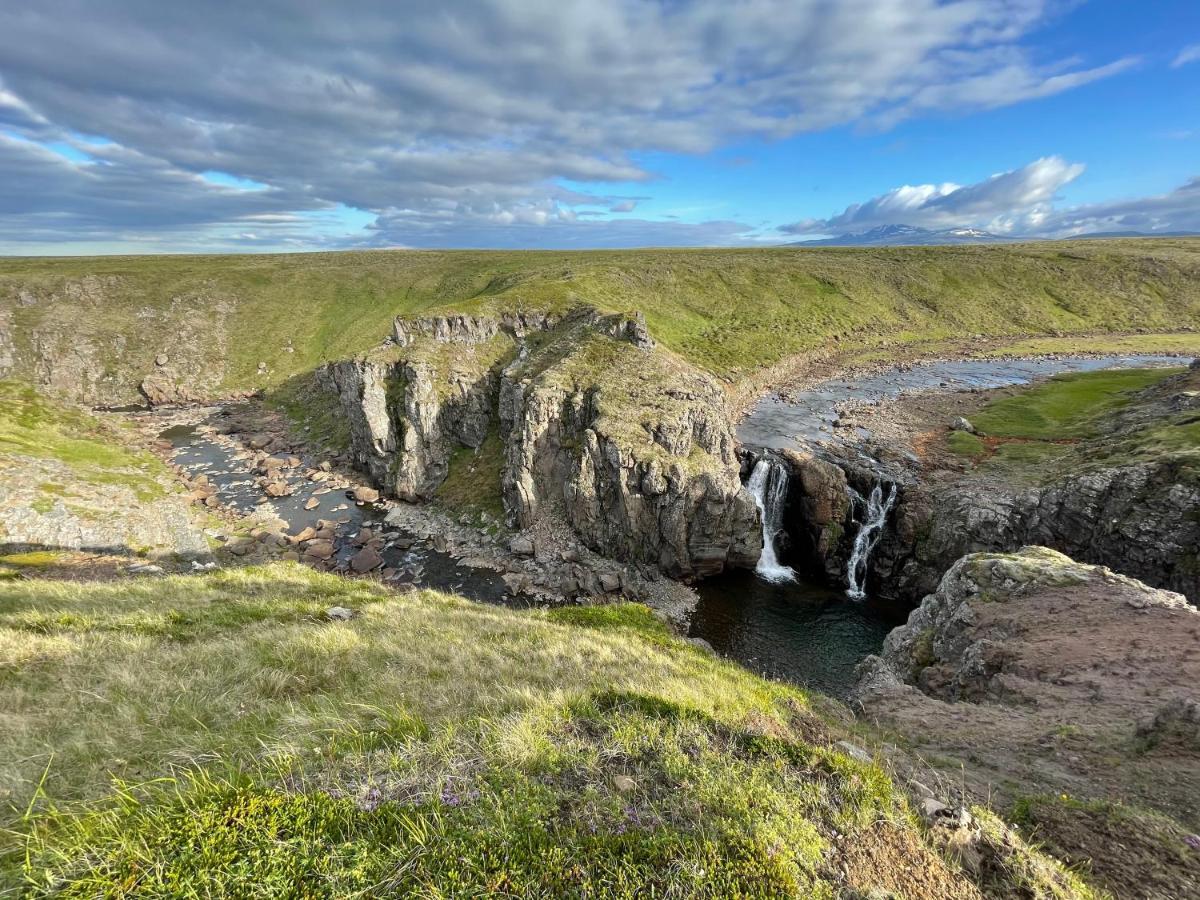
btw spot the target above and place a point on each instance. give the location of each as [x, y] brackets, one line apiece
[366, 560]
[277, 489]
[319, 550]
[521, 546]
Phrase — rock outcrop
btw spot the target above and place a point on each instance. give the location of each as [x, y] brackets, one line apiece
[961, 643]
[410, 409]
[1140, 519]
[628, 445]
[1031, 675]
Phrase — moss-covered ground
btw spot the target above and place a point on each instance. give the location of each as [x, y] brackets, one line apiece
[216, 735]
[1080, 420]
[93, 450]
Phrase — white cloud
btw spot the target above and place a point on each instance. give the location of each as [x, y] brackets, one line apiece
[477, 107]
[1002, 202]
[1189, 54]
[1021, 203]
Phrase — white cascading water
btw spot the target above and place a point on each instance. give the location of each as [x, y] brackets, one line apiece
[768, 486]
[877, 507]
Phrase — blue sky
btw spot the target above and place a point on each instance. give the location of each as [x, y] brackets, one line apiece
[136, 126]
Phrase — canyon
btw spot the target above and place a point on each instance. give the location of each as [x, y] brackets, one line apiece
[535, 447]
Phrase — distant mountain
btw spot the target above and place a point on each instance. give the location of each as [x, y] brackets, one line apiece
[912, 235]
[907, 235]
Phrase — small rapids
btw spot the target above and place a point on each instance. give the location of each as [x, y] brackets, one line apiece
[768, 486]
[875, 512]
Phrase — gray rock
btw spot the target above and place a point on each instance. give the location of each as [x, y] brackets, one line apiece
[961, 424]
[854, 751]
[521, 546]
[339, 614]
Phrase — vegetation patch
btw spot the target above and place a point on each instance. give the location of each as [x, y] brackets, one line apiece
[93, 451]
[1078, 420]
[1128, 851]
[427, 746]
[313, 410]
[732, 313]
[472, 482]
[1066, 407]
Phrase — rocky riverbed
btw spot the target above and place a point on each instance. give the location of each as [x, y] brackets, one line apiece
[279, 498]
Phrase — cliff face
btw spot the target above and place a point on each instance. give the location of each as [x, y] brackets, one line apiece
[1139, 519]
[60, 337]
[598, 427]
[410, 409]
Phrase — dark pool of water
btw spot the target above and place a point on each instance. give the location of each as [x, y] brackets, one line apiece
[801, 632]
[414, 560]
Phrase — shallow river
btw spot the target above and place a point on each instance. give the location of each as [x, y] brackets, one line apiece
[777, 423]
[413, 560]
[800, 631]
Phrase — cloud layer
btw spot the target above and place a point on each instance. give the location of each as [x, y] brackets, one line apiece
[1021, 202]
[456, 123]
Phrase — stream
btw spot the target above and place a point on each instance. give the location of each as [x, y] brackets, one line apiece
[413, 559]
[774, 621]
[780, 624]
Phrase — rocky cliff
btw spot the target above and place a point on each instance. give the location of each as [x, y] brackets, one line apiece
[1141, 519]
[1028, 676]
[59, 336]
[628, 445]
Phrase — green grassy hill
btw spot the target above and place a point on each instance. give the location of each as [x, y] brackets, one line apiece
[731, 312]
[218, 735]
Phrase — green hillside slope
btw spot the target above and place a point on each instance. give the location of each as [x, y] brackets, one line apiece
[731, 312]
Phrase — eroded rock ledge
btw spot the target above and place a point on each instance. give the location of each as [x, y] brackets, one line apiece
[1030, 678]
[590, 421]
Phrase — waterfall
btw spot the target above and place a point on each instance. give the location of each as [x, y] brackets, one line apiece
[876, 509]
[768, 485]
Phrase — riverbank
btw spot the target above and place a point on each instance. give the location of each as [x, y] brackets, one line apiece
[348, 735]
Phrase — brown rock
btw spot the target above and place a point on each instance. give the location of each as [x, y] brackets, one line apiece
[305, 534]
[277, 489]
[312, 503]
[366, 495]
[319, 550]
[365, 560]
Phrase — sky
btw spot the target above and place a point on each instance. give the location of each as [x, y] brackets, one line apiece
[138, 126]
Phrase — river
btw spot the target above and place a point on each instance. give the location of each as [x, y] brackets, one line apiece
[778, 622]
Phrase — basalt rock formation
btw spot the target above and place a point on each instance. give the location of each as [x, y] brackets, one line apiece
[1133, 504]
[1030, 675]
[624, 442]
[1141, 519]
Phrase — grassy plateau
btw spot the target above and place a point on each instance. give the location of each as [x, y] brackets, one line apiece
[1075, 421]
[732, 313]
